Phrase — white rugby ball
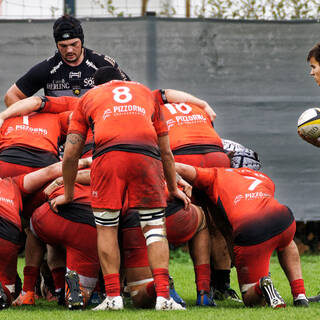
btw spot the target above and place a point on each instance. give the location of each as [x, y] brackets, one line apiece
[309, 124]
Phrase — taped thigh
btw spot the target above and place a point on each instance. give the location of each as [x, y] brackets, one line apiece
[107, 218]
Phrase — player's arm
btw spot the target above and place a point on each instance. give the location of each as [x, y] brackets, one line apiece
[35, 180]
[13, 95]
[22, 107]
[181, 96]
[186, 172]
[169, 170]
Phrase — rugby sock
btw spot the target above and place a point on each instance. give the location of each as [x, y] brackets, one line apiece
[150, 289]
[30, 274]
[257, 288]
[58, 276]
[297, 287]
[220, 279]
[161, 281]
[112, 284]
[202, 273]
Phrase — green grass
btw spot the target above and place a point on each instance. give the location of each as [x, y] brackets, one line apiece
[182, 271]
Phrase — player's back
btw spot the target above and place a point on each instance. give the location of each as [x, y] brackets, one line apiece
[188, 124]
[122, 113]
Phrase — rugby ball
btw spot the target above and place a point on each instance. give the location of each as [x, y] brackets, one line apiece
[309, 124]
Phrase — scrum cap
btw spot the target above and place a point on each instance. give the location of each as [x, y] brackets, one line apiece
[67, 27]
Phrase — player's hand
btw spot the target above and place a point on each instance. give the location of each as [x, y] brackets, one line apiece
[53, 186]
[180, 195]
[210, 112]
[58, 201]
[187, 188]
[315, 142]
[85, 163]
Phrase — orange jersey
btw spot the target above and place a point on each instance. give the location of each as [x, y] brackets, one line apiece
[244, 195]
[39, 131]
[123, 116]
[11, 193]
[189, 125]
[59, 104]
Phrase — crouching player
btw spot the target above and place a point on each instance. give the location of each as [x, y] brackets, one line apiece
[13, 190]
[254, 224]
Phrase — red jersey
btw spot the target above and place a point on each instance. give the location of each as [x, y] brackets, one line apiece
[189, 125]
[123, 115]
[59, 104]
[246, 198]
[11, 193]
[39, 131]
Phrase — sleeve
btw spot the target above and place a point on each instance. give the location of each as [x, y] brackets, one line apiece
[78, 123]
[34, 79]
[19, 180]
[59, 104]
[205, 178]
[159, 121]
[160, 96]
[64, 118]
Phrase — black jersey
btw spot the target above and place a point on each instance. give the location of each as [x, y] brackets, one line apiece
[57, 78]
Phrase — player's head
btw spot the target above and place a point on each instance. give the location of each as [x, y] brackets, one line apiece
[106, 74]
[240, 156]
[314, 60]
[66, 28]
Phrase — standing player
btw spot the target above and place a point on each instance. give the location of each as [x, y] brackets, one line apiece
[126, 162]
[69, 72]
[254, 224]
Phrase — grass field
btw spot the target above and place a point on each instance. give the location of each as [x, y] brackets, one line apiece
[182, 271]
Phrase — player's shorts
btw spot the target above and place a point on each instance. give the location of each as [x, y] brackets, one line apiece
[252, 262]
[181, 226]
[8, 262]
[206, 160]
[79, 239]
[8, 169]
[116, 174]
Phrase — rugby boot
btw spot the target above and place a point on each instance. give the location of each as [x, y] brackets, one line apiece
[227, 294]
[110, 303]
[4, 301]
[73, 296]
[168, 304]
[25, 299]
[173, 293]
[301, 301]
[314, 298]
[205, 299]
[270, 293]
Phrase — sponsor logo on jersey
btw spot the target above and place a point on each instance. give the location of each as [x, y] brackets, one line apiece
[58, 85]
[110, 60]
[23, 127]
[55, 68]
[124, 110]
[88, 82]
[91, 64]
[75, 75]
[251, 196]
[190, 118]
[6, 200]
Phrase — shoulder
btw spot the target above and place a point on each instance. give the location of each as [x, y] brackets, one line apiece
[99, 59]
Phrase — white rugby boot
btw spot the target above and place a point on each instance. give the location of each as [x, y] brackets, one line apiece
[110, 303]
[168, 304]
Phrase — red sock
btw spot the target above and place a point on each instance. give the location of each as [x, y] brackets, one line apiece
[112, 284]
[202, 272]
[58, 276]
[161, 282]
[257, 289]
[151, 290]
[30, 278]
[297, 287]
